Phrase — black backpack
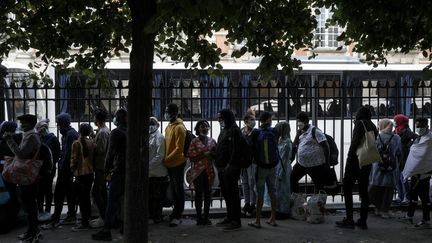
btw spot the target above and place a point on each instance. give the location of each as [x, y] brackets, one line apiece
[388, 160]
[267, 150]
[334, 151]
[46, 156]
[245, 151]
[188, 139]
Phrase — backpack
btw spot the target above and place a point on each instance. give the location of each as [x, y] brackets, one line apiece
[188, 139]
[45, 155]
[334, 151]
[245, 151]
[267, 150]
[388, 160]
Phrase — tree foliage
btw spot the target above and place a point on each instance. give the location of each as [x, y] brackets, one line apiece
[379, 27]
[98, 30]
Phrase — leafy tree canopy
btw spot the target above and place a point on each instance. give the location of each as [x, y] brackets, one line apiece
[100, 29]
[378, 27]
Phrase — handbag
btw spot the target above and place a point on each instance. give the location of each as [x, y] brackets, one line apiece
[21, 171]
[367, 152]
[4, 194]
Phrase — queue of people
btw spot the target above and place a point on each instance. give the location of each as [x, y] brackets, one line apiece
[90, 167]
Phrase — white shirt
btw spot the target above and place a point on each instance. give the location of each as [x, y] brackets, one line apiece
[157, 155]
[310, 153]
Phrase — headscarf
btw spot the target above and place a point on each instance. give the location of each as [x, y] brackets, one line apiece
[401, 122]
[385, 126]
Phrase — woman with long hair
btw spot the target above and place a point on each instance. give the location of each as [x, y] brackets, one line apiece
[82, 169]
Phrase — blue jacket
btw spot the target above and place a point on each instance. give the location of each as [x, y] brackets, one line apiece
[69, 135]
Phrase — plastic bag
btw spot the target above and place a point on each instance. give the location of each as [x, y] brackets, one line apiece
[315, 208]
[297, 208]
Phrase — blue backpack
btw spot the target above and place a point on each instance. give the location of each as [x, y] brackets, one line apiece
[267, 151]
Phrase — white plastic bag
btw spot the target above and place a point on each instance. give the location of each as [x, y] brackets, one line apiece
[315, 208]
[297, 208]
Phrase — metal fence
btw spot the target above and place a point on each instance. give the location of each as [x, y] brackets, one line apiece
[331, 98]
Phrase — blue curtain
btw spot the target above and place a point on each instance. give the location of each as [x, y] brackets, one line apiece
[214, 94]
[157, 95]
[64, 79]
[245, 91]
[406, 92]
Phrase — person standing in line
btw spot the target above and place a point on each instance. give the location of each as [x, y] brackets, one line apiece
[407, 138]
[175, 160]
[353, 172]
[115, 168]
[64, 185]
[45, 190]
[313, 153]
[99, 190]
[248, 175]
[265, 141]
[158, 173]
[228, 155]
[420, 180]
[82, 168]
[26, 150]
[283, 169]
[201, 153]
[384, 180]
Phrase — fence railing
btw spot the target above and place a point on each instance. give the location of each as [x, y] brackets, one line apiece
[331, 99]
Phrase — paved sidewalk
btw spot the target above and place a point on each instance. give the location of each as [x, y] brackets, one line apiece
[380, 230]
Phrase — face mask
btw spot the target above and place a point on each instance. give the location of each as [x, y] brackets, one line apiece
[19, 128]
[252, 124]
[167, 117]
[153, 128]
[421, 130]
[222, 124]
[300, 125]
[115, 121]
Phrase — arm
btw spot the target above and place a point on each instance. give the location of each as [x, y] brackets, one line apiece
[27, 148]
[160, 152]
[112, 147]
[358, 134]
[180, 135]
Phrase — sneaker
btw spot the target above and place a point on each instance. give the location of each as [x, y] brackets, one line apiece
[28, 235]
[233, 226]
[80, 228]
[103, 235]
[362, 225]
[345, 223]
[52, 225]
[422, 225]
[174, 222]
[385, 215]
[207, 222]
[405, 203]
[69, 220]
[405, 219]
[246, 208]
[223, 223]
[377, 212]
[97, 223]
[43, 217]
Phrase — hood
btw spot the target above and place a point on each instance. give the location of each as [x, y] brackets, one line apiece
[401, 122]
[228, 117]
[177, 121]
[63, 120]
[363, 113]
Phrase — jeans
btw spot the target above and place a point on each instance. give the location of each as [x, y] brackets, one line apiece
[419, 188]
[115, 194]
[202, 188]
[157, 187]
[248, 184]
[99, 192]
[402, 188]
[229, 187]
[28, 198]
[354, 173]
[176, 176]
[64, 187]
[83, 186]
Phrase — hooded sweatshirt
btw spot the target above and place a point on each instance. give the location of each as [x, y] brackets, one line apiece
[69, 135]
[175, 135]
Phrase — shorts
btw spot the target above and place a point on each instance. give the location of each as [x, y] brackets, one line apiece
[265, 177]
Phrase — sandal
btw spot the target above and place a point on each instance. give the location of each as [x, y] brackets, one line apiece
[255, 225]
[274, 224]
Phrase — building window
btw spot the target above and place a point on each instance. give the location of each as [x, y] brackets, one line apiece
[326, 36]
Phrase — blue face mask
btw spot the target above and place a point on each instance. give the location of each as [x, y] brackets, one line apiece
[222, 124]
[115, 122]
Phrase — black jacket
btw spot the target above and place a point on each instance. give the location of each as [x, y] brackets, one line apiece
[357, 137]
[115, 161]
[54, 144]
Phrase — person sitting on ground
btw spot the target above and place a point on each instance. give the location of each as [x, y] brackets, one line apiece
[82, 169]
[383, 180]
[202, 153]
